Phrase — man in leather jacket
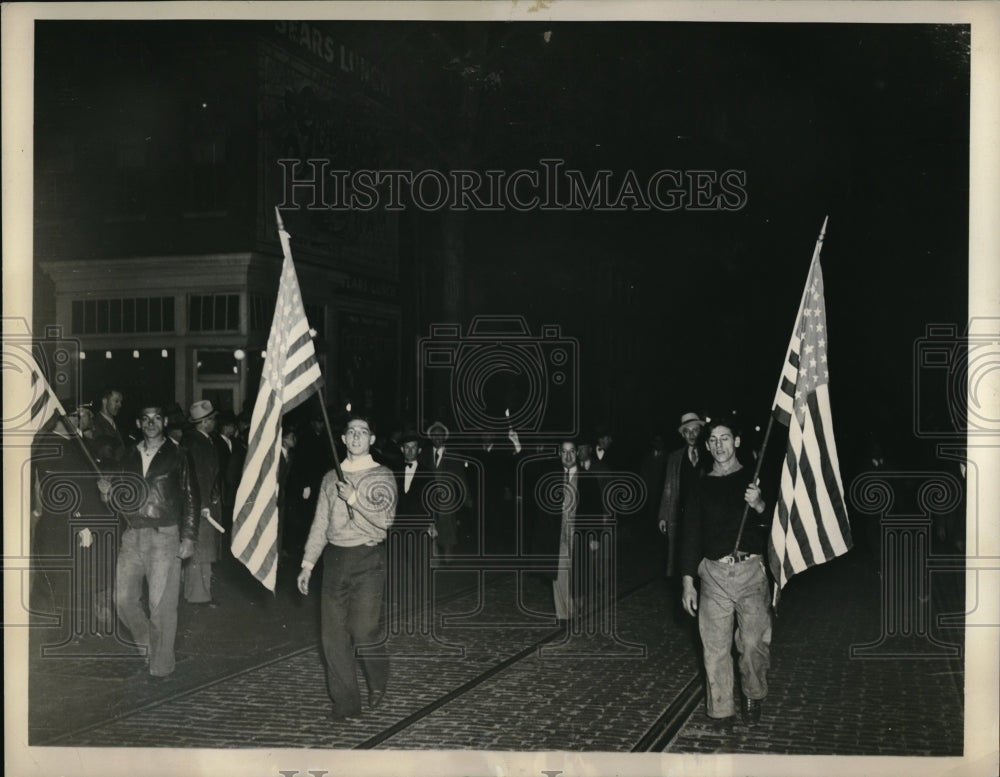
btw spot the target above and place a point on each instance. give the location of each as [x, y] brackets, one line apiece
[155, 497]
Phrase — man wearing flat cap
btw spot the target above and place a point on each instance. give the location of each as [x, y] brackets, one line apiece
[682, 472]
[207, 475]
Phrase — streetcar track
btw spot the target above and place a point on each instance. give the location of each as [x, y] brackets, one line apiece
[180, 694]
[387, 733]
[476, 681]
[666, 727]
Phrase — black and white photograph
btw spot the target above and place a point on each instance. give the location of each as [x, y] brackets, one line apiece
[501, 388]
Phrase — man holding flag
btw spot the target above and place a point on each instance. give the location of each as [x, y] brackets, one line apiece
[355, 507]
[356, 503]
[810, 524]
[62, 525]
[728, 560]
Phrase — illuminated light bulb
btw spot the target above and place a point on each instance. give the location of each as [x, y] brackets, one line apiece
[163, 353]
[239, 354]
[135, 354]
[107, 354]
[83, 354]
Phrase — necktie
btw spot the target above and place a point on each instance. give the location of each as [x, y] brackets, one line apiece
[693, 455]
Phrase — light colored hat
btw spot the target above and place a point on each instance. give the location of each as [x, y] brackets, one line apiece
[690, 418]
[201, 410]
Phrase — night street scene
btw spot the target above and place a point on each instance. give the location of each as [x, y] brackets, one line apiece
[514, 390]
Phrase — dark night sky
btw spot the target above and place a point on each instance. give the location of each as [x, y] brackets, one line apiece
[867, 124]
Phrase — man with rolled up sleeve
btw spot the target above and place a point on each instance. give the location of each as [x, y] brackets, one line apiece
[732, 578]
[349, 531]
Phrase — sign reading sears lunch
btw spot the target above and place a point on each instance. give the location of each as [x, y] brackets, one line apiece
[326, 48]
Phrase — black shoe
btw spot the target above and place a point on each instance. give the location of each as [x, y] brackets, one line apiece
[339, 716]
[751, 711]
[722, 724]
[375, 698]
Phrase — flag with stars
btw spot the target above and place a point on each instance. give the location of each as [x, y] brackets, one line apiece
[291, 375]
[810, 523]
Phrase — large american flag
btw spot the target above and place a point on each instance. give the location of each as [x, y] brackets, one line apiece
[810, 520]
[291, 375]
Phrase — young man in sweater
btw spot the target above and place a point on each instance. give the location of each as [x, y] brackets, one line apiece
[349, 531]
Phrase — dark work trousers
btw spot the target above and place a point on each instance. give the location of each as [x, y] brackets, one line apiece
[353, 587]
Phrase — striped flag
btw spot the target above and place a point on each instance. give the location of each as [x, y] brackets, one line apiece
[45, 404]
[291, 375]
[810, 520]
[42, 402]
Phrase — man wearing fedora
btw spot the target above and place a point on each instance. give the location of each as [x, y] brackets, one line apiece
[682, 472]
[207, 476]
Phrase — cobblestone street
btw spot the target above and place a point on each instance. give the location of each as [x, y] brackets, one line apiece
[250, 675]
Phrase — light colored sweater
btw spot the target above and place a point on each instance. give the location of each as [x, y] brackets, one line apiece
[373, 508]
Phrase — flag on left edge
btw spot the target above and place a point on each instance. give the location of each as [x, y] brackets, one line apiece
[291, 375]
[43, 404]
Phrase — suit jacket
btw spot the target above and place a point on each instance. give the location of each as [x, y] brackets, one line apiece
[452, 475]
[234, 468]
[499, 471]
[680, 473]
[66, 497]
[225, 454]
[610, 460]
[410, 504]
[206, 471]
[653, 472]
[590, 492]
[106, 444]
[208, 476]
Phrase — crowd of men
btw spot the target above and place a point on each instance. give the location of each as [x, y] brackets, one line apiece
[169, 487]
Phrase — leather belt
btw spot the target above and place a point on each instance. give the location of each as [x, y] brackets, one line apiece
[738, 557]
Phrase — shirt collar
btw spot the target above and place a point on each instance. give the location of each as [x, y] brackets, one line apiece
[360, 463]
